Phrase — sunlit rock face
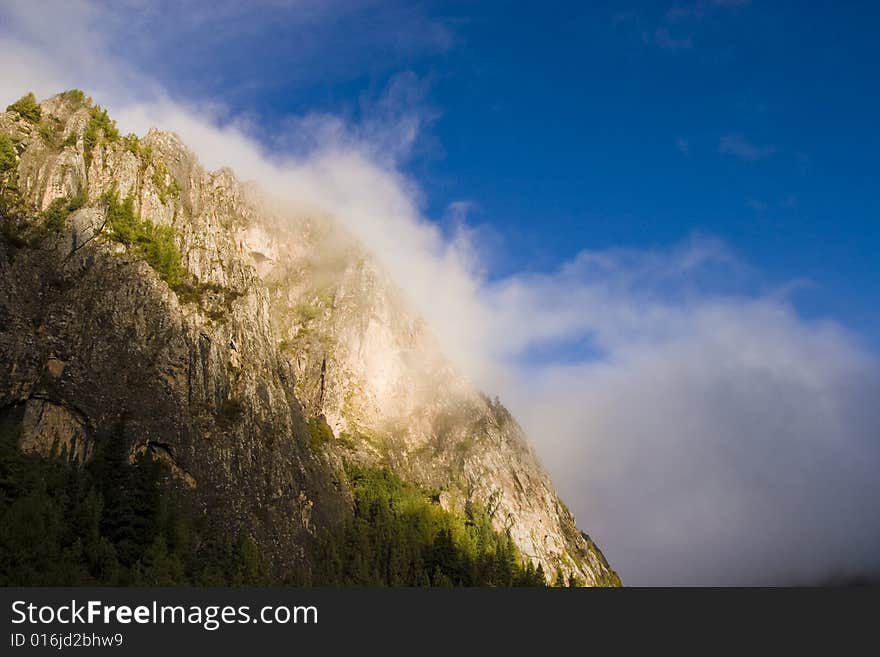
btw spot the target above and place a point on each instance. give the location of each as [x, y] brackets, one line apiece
[281, 318]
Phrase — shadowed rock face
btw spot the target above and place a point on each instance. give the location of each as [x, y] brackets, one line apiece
[282, 322]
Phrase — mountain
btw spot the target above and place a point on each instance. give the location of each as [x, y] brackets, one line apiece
[257, 351]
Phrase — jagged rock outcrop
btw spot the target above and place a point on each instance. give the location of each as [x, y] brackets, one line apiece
[280, 323]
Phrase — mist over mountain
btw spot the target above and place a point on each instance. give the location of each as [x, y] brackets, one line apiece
[654, 248]
[253, 347]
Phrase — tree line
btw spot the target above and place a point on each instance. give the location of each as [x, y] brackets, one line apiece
[113, 521]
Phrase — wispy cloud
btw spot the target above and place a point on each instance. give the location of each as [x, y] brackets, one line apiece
[674, 28]
[744, 149]
[683, 146]
[622, 17]
[699, 9]
[760, 205]
[662, 38]
[392, 124]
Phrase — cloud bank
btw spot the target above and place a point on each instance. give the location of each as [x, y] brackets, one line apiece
[700, 429]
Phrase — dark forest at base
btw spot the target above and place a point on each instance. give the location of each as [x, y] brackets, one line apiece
[113, 521]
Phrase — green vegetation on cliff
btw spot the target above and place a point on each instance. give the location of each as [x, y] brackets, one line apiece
[100, 128]
[165, 190]
[319, 432]
[51, 220]
[154, 241]
[56, 214]
[401, 536]
[7, 153]
[27, 108]
[75, 97]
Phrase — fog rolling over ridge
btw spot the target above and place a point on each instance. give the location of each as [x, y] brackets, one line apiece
[711, 434]
[262, 355]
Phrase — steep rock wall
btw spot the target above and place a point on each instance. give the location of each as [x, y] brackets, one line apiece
[281, 320]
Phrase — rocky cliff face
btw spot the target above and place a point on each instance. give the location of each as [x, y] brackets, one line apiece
[280, 352]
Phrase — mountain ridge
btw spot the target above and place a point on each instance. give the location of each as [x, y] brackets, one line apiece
[264, 348]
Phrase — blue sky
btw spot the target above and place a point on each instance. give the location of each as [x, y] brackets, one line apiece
[595, 124]
[649, 228]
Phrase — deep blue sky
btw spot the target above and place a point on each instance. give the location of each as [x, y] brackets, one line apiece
[679, 405]
[591, 125]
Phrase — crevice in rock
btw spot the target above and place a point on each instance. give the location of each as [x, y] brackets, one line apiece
[323, 375]
[155, 445]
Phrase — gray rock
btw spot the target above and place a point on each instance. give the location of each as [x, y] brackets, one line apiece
[281, 317]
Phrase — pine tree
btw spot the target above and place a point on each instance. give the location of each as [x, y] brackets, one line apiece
[559, 581]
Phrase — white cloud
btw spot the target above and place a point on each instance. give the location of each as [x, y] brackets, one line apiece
[744, 149]
[713, 436]
[717, 440]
